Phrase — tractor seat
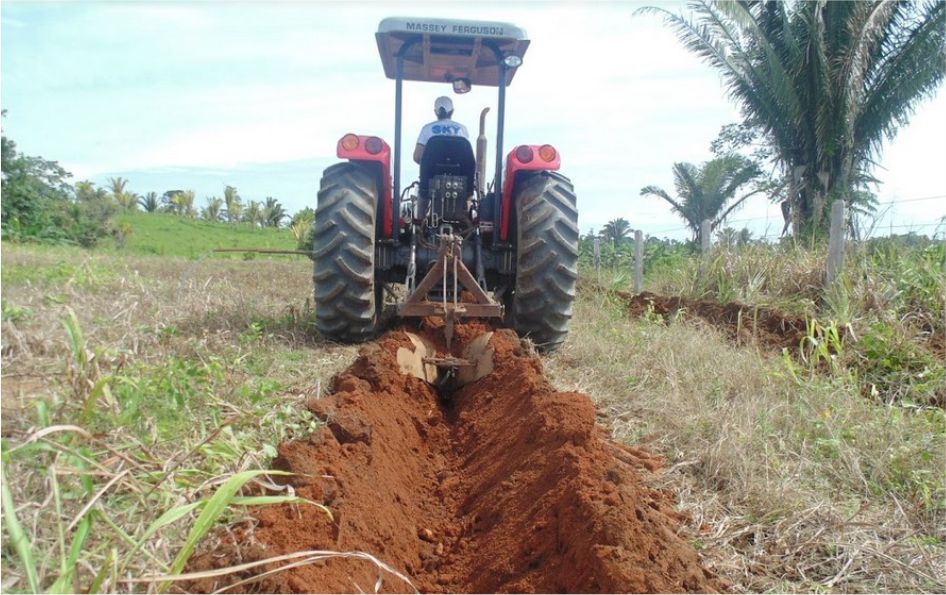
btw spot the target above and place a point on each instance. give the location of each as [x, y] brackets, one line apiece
[451, 155]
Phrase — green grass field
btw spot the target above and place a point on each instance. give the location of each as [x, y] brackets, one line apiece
[163, 234]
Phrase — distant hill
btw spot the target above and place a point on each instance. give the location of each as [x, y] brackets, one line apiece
[171, 235]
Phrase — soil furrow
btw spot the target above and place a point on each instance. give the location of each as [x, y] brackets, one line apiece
[506, 486]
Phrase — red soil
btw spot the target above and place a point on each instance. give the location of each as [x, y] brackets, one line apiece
[509, 487]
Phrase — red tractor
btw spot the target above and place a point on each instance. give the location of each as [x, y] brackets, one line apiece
[505, 247]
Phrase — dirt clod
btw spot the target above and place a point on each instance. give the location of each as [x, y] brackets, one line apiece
[508, 487]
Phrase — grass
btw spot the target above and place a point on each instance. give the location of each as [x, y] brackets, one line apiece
[793, 480]
[141, 395]
[889, 302]
[137, 389]
[164, 234]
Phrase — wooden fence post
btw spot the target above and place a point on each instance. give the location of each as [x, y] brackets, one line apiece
[835, 243]
[638, 261]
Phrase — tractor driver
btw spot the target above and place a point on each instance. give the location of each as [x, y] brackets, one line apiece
[444, 126]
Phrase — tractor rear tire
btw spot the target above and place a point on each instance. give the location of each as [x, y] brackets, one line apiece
[346, 307]
[546, 258]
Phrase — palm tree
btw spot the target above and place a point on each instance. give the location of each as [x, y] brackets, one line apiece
[825, 82]
[167, 200]
[703, 192]
[87, 192]
[616, 230]
[301, 227]
[183, 203]
[132, 200]
[117, 186]
[273, 212]
[150, 202]
[212, 211]
[124, 199]
[727, 236]
[744, 237]
[306, 214]
[301, 223]
[233, 203]
[252, 214]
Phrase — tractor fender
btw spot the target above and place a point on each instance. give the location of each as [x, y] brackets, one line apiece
[380, 157]
[519, 160]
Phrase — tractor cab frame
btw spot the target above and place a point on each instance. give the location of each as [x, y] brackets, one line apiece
[457, 52]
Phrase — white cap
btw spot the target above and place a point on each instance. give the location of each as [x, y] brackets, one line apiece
[443, 102]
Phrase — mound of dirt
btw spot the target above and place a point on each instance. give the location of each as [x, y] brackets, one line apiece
[508, 487]
[767, 327]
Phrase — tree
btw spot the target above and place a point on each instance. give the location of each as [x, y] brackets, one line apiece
[39, 204]
[233, 203]
[825, 83]
[86, 191]
[117, 186]
[704, 192]
[750, 143]
[167, 200]
[32, 189]
[273, 212]
[730, 237]
[134, 200]
[212, 211]
[124, 199]
[182, 203]
[304, 215]
[149, 203]
[616, 230]
[301, 227]
[253, 213]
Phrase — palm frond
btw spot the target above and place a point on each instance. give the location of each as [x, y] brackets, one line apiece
[869, 24]
[736, 204]
[716, 43]
[676, 206]
[686, 179]
[917, 67]
[779, 76]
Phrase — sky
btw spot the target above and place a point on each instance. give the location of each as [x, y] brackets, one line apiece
[196, 95]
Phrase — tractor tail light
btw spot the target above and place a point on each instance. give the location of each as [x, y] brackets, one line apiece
[349, 142]
[524, 153]
[373, 145]
[547, 152]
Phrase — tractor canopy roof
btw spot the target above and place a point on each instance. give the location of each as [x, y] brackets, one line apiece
[444, 50]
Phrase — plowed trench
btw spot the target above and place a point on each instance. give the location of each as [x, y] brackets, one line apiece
[766, 327]
[509, 487]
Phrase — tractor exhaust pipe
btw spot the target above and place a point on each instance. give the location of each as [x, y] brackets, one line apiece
[481, 154]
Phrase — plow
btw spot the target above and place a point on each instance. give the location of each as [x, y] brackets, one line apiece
[448, 276]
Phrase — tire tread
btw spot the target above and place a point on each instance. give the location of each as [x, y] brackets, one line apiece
[547, 259]
[343, 251]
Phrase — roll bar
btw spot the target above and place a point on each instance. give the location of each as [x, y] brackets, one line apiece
[398, 100]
